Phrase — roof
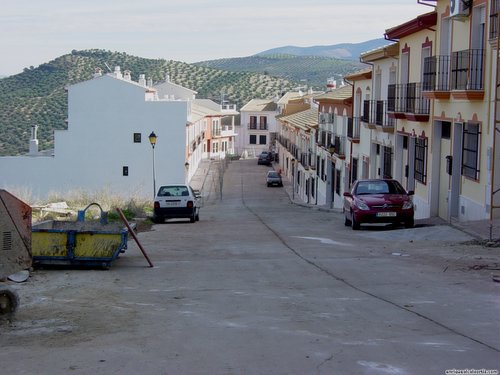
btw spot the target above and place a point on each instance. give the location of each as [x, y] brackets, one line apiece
[260, 105]
[420, 23]
[390, 50]
[303, 120]
[360, 74]
[340, 94]
[201, 108]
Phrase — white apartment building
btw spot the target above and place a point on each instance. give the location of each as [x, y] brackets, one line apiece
[258, 127]
[106, 145]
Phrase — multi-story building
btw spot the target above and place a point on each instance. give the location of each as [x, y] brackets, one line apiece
[378, 143]
[412, 110]
[258, 127]
[459, 77]
[335, 113]
[106, 146]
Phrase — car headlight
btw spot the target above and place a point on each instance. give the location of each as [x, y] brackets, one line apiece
[407, 205]
[362, 205]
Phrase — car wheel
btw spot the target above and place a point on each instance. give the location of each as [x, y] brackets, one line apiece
[355, 225]
[410, 223]
[268, 185]
[192, 219]
[158, 219]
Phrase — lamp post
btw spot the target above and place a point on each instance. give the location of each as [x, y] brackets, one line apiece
[152, 140]
[293, 179]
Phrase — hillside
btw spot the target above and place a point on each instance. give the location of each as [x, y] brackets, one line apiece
[37, 96]
[312, 70]
[350, 51]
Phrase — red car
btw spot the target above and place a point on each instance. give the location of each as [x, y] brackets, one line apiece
[378, 201]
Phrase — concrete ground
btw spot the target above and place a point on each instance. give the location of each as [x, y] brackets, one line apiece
[263, 286]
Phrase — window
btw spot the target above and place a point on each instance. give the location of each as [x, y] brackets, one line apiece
[354, 170]
[445, 130]
[470, 153]
[420, 160]
[125, 170]
[137, 137]
[387, 162]
[253, 139]
[253, 122]
[337, 181]
[262, 139]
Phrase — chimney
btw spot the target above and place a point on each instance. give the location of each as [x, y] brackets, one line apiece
[33, 141]
[126, 75]
[118, 73]
[142, 80]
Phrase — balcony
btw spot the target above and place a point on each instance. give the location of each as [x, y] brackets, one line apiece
[375, 115]
[461, 74]
[353, 129]
[252, 126]
[406, 101]
[338, 146]
[436, 84]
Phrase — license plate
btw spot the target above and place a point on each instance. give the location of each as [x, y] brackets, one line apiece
[386, 214]
[171, 204]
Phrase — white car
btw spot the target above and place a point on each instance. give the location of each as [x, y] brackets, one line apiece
[176, 202]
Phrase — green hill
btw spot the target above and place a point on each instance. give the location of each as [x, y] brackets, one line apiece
[37, 96]
[313, 70]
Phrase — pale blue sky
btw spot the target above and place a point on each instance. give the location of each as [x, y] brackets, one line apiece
[33, 32]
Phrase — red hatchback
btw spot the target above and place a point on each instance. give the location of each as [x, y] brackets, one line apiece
[378, 201]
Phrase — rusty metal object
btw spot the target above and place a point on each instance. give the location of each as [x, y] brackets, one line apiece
[15, 234]
[15, 245]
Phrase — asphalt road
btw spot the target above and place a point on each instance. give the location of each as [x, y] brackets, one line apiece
[263, 286]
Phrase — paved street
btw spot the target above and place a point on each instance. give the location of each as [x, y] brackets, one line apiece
[262, 286]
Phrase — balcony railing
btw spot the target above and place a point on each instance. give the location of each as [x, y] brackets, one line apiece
[467, 70]
[495, 6]
[407, 99]
[375, 112]
[339, 145]
[257, 126]
[436, 73]
[353, 128]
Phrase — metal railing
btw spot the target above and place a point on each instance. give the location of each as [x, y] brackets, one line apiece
[353, 128]
[376, 112]
[436, 73]
[467, 69]
[252, 126]
[407, 98]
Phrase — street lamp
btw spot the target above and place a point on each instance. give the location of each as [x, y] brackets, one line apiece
[293, 179]
[152, 140]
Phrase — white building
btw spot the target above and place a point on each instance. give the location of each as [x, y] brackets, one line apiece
[106, 145]
[258, 127]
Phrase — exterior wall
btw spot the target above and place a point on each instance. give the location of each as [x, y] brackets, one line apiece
[104, 113]
[243, 142]
[421, 129]
[457, 196]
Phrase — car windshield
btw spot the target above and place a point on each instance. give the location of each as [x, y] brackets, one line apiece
[173, 191]
[273, 174]
[379, 187]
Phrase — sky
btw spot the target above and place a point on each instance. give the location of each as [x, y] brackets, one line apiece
[33, 32]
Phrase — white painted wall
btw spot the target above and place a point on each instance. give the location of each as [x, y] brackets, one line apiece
[103, 114]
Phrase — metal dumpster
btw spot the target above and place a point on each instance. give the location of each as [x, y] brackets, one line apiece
[77, 243]
[15, 245]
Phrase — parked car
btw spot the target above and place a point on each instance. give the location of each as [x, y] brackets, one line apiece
[265, 158]
[176, 202]
[273, 178]
[378, 201]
